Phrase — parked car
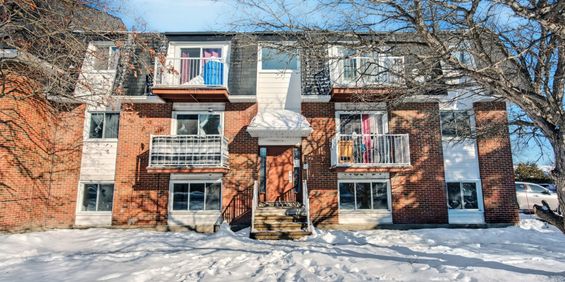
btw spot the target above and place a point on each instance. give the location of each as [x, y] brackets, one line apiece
[529, 194]
[549, 186]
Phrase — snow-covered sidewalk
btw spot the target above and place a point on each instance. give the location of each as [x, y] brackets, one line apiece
[530, 252]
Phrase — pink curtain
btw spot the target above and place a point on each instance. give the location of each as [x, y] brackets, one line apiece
[185, 74]
[366, 128]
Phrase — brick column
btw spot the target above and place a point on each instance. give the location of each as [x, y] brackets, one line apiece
[140, 198]
[418, 194]
[316, 152]
[495, 162]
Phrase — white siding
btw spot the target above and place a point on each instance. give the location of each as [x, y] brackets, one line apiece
[460, 160]
[98, 161]
[278, 90]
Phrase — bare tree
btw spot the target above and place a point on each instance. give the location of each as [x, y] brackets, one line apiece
[518, 51]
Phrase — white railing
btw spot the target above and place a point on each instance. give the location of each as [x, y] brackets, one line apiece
[191, 72]
[254, 204]
[188, 151]
[371, 149]
[306, 203]
[364, 71]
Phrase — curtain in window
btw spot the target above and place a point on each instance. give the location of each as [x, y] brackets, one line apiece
[189, 64]
[213, 68]
[96, 125]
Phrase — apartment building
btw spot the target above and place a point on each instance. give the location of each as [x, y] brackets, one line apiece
[229, 128]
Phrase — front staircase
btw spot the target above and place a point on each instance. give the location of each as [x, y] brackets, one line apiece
[280, 220]
[279, 223]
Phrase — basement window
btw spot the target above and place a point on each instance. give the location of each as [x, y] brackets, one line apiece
[462, 195]
[97, 197]
[372, 195]
[195, 196]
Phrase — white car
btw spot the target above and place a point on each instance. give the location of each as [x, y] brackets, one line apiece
[529, 194]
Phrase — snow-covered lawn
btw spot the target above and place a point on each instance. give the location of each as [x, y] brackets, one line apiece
[530, 252]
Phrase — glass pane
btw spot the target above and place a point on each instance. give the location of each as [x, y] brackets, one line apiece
[196, 196]
[346, 200]
[463, 124]
[213, 196]
[363, 196]
[96, 125]
[380, 196]
[520, 187]
[106, 197]
[448, 127]
[470, 196]
[112, 125]
[89, 197]
[212, 52]
[180, 196]
[187, 124]
[114, 57]
[210, 124]
[349, 124]
[190, 52]
[262, 169]
[454, 195]
[536, 188]
[273, 59]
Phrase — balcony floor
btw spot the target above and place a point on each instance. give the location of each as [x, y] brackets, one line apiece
[222, 170]
[191, 94]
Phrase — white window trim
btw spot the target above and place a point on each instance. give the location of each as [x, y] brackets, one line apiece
[480, 202]
[389, 195]
[338, 120]
[198, 181]
[174, 120]
[88, 123]
[80, 194]
[282, 71]
[472, 125]
[91, 58]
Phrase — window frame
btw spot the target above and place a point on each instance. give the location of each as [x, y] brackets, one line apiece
[104, 44]
[195, 181]
[384, 114]
[174, 121]
[379, 57]
[103, 138]
[80, 197]
[370, 181]
[286, 70]
[470, 115]
[480, 201]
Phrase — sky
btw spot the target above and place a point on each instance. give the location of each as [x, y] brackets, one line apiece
[221, 15]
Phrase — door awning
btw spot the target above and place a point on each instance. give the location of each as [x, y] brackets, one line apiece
[279, 124]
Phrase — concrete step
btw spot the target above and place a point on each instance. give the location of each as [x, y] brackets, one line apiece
[270, 211]
[278, 226]
[279, 235]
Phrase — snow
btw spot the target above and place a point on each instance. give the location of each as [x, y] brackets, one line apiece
[532, 251]
[279, 122]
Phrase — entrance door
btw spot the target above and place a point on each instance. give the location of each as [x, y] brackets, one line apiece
[280, 174]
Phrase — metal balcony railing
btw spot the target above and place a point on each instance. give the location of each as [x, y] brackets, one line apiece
[191, 72]
[371, 149]
[180, 151]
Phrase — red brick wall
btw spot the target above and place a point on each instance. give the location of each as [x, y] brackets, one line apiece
[495, 163]
[40, 151]
[243, 162]
[140, 198]
[316, 152]
[418, 194]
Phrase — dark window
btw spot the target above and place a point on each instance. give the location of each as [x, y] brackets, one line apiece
[455, 124]
[197, 196]
[520, 187]
[462, 195]
[97, 197]
[187, 124]
[104, 125]
[363, 195]
[263, 169]
[346, 196]
[273, 59]
[180, 196]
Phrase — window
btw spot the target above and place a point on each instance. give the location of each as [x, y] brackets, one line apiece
[198, 124]
[195, 196]
[520, 187]
[97, 197]
[273, 59]
[537, 189]
[363, 195]
[104, 125]
[201, 66]
[455, 124]
[370, 68]
[462, 195]
[361, 139]
[362, 123]
[106, 57]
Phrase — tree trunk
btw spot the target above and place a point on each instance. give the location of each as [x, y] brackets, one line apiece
[558, 175]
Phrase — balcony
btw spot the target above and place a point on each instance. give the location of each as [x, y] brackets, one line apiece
[371, 150]
[188, 153]
[200, 79]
